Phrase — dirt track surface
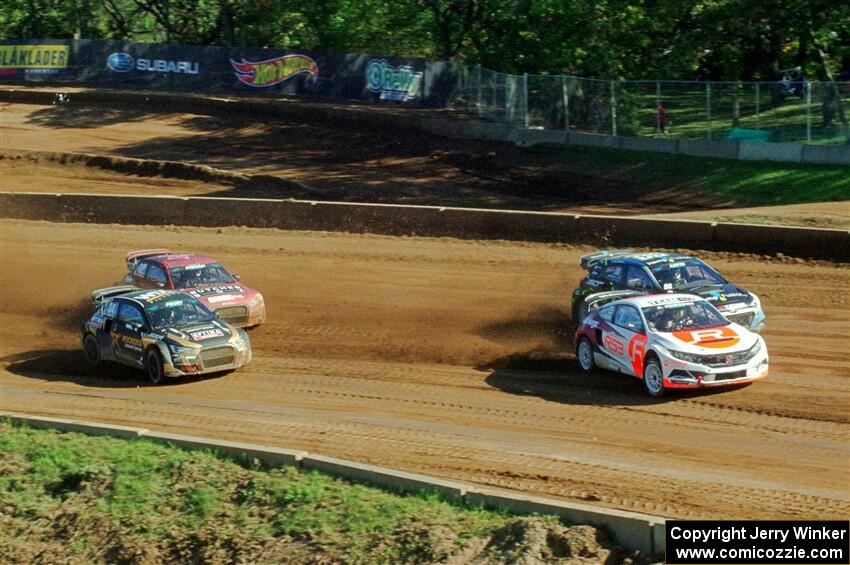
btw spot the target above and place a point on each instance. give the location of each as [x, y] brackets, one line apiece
[452, 358]
[350, 164]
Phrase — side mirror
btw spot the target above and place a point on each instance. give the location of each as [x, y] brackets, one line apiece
[237, 277]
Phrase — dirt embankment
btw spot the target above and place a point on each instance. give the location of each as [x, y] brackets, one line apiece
[452, 358]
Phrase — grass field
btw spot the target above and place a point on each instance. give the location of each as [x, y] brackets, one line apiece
[75, 498]
[730, 182]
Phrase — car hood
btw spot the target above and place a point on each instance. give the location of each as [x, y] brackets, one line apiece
[727, 298]
[720, 339]
[218, 295]
[205, 334]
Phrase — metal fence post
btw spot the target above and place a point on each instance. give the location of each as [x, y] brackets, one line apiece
[658, 107]
[525, 99]
[478, 98]
[708, 108]
[613, 109]
[758, 105]
[566, 96]
[808, 111]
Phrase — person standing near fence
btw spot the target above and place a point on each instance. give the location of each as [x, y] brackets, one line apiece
[663, 119]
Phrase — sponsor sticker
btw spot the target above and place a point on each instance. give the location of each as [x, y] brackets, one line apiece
[720, 337]
[201, 335]
[34, 56]
[262, 74]
[399, 84]
[222, 298]
[124, 62]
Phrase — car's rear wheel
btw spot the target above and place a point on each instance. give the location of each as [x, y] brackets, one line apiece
[91, 351]
[153, 366]
[584, 354]
[653, 378]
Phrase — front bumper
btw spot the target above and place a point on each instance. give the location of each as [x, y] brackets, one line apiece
[182, 367]
[751, 318]
[682, 374]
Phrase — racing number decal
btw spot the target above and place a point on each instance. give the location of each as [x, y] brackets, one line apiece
[637, 351]
[721, 337]
[613, 345]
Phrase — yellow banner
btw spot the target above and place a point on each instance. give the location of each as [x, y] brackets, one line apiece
[34, 56]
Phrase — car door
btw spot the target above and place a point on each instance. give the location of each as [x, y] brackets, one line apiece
[156, 277]
[625, 339]
[127, 333]
[103, 335]
[139, 272]
[638, 279]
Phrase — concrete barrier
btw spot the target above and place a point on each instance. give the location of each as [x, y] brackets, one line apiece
[383, 477]
[523, 137]
[662, 145]
[630, 529]
[706, 148]
[788, 152]
[596, 140]
[826, 154]
[270, 456]
[427, 221]
[484, 130]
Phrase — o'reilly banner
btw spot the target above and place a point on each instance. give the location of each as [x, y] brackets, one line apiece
[407, 81]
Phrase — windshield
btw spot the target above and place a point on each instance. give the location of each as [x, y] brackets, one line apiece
[190, 276]
[683, 316]
[173, 313]
[690, 273]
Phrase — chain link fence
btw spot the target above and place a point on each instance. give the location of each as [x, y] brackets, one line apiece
[791, 111]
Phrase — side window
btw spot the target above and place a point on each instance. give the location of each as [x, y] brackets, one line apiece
[613, 273]
[129, 313]
[607, 313]
[111, 309]
[156, 275]
[637, 278]
[628, 317]
[140, 269]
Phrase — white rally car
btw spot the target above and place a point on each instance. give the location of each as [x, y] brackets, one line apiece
[670, 341]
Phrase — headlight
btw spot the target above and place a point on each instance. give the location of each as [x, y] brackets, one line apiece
[754, 350]
[256, 301]
[755, 301]
[241, 342]
[689, 357]
[182, 351]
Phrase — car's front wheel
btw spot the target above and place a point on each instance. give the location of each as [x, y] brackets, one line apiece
[91, 351]
[653, 378]
[584, 354]
[153, 366]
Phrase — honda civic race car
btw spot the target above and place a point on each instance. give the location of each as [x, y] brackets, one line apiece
[670, 341]
[622, 273]
[164, 332]
[202, 277]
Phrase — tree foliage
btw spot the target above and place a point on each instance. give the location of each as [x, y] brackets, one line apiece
[665, 39]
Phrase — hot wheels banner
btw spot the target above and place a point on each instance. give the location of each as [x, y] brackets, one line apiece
[274, 71]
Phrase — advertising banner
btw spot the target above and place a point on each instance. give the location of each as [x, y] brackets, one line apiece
[192, 68]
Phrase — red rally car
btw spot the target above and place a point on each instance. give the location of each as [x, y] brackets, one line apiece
[201, 276]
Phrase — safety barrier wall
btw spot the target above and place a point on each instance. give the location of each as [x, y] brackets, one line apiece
[633, 530]
[429, 221]
[335, 115]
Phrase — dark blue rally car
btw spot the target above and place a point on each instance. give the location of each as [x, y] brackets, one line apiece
[614, 274]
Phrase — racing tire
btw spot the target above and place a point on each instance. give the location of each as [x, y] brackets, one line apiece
[153, 366]
[653, 378]
[91, 352]
[584, 355]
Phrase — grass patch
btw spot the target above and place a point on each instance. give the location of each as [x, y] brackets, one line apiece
[68, 496]
[746, 183]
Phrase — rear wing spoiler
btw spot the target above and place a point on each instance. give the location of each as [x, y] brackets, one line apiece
[102, 295]
[588, 261]
[134, 257]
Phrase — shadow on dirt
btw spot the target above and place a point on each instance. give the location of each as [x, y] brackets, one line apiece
[84, 117]
[557, 378]
[70, 366]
